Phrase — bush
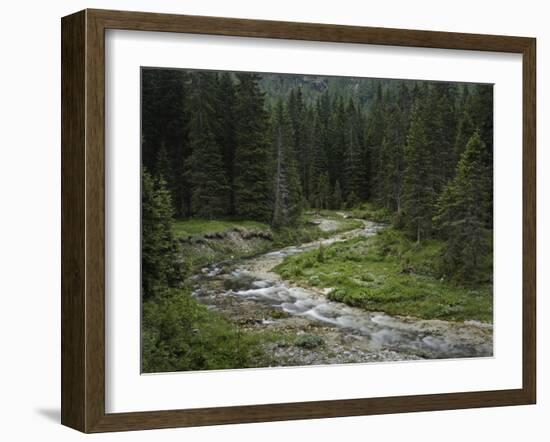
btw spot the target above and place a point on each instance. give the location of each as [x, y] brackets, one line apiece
[309, 341]
[321, 253]
[180, 334]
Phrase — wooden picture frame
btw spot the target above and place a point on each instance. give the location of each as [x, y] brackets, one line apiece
[83, 218]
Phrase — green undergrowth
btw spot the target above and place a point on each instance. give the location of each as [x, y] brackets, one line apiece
[371, 212]
[201, 227]
[389, 273]
[306, 231]
[180, 334]
[206, 241]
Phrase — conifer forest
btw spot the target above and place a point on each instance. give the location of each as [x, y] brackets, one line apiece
[292, 220]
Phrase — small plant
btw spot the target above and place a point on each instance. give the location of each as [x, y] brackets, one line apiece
[279, 314]
[309, 341]
[321, 253]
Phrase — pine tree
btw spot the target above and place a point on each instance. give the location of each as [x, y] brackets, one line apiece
[418, 189]
[252, 184]
[338, 142]
[322, 192]
[374, 139]
[164, 124]
[226, 131]
[477, 115]
[297, 114]
[461, 211]
[160, 265]
[441, 128]
[287, 190]
[163, 167]
[312, 148]
[320, 146]
[392, 155]
[336, 200]
[207, 176]
[354, 175]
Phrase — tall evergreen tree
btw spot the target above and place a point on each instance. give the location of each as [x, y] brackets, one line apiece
[164, 123]
[320, 145]
[206, 170]
[461, 212]
[163, 167]
[338, 142]
[297, 114]
[252, 184]
[418, 189]
[442, 132]
[477, 115]
[322, 192]
[226, 130]
[354, 175]
[374, 139]
[392, 155]
[287, 198]
[160, 265]
[336, 199]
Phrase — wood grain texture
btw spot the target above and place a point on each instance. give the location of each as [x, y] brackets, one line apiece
[83, 220]
[73, 254]
[529, 220]
[144, 21]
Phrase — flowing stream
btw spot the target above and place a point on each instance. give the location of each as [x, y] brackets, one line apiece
[250, 293]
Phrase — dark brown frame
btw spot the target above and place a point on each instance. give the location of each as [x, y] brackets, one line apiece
[83, 216]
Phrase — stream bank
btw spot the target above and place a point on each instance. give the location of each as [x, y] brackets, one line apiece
[309, 329]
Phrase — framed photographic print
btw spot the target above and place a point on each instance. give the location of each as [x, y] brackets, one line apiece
[269, 220]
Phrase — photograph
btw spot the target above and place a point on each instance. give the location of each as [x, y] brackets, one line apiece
[303, 220]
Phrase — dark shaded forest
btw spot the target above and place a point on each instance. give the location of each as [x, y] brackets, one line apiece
[267, 148]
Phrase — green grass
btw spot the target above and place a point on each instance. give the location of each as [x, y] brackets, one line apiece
[389, 273]
[201, 250]
[200, 227]
[305, 231]
[304, 228]
[371, 212]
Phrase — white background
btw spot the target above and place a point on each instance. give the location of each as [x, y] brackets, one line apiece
[128, 391]
[30, 221]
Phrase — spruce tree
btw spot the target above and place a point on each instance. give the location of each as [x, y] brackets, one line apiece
[336, 200]
[252, 183]
[354, 175]
[287, 198]
[418, 188]
[322, 192]
[461, 211]
[160, 264]
[163, 167]
[164, 124]
[320, 146]
[440, 126]
[477, 115]
[226, 130]
[338, 143]
[392, 157]
[207, 176]
[374, 139]
[297, 114]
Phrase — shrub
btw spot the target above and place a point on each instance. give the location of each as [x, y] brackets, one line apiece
[309, 341]
[181, 334]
